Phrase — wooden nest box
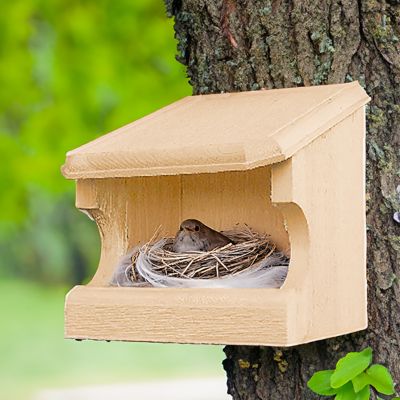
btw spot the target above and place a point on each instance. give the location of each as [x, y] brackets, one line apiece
[289, 162]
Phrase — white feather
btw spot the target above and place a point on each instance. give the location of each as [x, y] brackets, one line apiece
[121, 273]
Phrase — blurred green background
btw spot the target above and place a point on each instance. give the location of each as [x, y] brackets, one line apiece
[70, 71]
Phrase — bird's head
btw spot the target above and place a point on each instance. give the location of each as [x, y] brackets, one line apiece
[191, 225]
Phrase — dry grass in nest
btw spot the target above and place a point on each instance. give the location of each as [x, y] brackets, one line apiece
[248, 249]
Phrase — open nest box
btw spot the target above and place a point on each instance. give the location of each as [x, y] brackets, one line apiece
[288, 162]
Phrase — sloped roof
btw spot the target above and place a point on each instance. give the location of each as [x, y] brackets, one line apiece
[218, 132]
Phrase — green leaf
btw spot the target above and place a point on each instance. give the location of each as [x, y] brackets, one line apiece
[320, 383]
[346, 392]
[380, 379]
[363, 394]
[360, 381]
[350, 366]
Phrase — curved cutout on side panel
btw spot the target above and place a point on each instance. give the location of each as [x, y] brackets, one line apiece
[94, 201]
[282, 196]
[101, 277]
[297, 227]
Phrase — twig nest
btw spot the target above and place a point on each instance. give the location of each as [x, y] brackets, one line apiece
[250, 261]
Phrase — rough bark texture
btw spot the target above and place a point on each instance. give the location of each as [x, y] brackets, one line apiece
[235, 45]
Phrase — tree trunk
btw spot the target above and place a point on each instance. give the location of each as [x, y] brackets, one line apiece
[235, 45]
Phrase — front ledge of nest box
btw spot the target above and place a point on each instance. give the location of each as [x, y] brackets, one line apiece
[312, 140]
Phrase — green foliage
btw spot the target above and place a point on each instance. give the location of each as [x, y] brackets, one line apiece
[320, 383]
[350, 366]
[346, 392]
[380, 379]
[70, 70]
[353, 378]
[360, 381]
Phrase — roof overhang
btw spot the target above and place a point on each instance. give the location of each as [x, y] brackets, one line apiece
[217, 132]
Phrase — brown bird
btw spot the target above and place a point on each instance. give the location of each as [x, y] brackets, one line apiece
[193, 235]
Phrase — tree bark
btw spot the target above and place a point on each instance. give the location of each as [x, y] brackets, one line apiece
[236, 45]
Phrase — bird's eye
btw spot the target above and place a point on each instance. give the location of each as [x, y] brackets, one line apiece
[196, 228]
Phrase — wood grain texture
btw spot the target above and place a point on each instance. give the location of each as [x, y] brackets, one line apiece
[311, 201]
[214, 133]
[331, 195]
[183, 316]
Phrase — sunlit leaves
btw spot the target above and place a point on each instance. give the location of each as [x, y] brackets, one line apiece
[350, 366]
[360, 381]
[320, 383]
[380, 379]
[353, 378]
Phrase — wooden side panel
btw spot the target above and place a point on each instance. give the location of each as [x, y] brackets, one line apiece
[108, 208]
[327, 182]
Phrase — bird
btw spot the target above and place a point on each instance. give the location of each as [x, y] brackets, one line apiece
[193, 235]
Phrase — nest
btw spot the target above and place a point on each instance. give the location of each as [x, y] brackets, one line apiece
[250, 261]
